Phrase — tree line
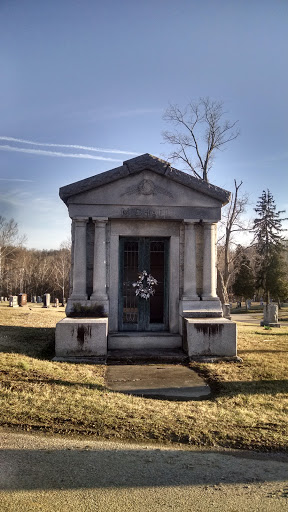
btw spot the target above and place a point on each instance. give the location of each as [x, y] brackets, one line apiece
[31, 271]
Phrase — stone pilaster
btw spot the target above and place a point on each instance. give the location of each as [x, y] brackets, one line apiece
[189, 288]
[99, 267]
[209, 262]
[79, 260]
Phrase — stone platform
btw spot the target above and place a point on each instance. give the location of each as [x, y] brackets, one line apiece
[159, 381]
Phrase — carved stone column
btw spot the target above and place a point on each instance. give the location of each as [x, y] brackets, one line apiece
[189, 289]
[99, 267]
[79, 260]
[209, 262]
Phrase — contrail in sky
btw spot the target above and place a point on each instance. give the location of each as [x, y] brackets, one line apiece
[70, 146]
[15, 179]
[6, 147]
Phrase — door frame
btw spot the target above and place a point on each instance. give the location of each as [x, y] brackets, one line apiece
[143, 306]
[122, 228]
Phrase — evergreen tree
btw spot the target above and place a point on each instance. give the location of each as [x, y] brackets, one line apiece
[270, 272]
[244, 284]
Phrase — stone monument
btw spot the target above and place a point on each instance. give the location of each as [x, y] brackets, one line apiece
[270, 312]
[144, 265]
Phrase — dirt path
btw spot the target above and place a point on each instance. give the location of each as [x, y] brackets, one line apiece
[52, 473]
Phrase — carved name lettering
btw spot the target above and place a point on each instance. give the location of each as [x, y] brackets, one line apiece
[144, 213]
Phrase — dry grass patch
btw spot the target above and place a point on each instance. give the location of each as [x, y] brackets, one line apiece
[249, 409]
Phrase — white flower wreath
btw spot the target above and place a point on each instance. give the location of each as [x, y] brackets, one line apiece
[145, 292]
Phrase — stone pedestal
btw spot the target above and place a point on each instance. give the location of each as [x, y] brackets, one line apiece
[214, 337]
[81, 340]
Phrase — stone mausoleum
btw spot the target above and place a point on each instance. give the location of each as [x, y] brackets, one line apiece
[144, 255]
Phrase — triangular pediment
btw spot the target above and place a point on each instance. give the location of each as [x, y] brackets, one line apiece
[144, 180]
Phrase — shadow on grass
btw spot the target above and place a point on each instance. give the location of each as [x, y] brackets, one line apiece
[242, 353]
[269, 332]
[58, 382]
[38, 342]
[254, 387]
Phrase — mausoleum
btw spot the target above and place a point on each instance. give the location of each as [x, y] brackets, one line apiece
[144, 258]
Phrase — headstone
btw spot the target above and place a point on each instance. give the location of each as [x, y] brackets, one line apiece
[270, 316]
[2, 299]
[13, 301]
[34, 299]
[46, 300]
[5, 299]
[56, 303]
[226, 311]
[22, 299]
[39, 299]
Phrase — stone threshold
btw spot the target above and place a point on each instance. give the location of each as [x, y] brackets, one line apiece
[146, 356]
[144, 341]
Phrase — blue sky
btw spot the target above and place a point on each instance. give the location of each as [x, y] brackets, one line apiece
[100, 75]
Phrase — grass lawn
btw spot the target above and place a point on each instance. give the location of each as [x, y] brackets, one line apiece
[248, 410]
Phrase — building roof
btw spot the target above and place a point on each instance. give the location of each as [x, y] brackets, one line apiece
[135, 166]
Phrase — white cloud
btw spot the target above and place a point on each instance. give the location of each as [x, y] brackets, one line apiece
[69, 146]
[44, 152]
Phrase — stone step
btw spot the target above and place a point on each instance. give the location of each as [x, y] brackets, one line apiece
[144, 341]
[165, 356]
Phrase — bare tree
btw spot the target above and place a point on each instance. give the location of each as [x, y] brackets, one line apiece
[232, 223]
[200, 130]
[62, 264]
[10, 239]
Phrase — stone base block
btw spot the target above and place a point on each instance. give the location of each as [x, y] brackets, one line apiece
[81, 338]
[210, 337]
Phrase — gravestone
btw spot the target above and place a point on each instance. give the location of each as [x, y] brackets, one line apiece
[13, 301]
[56, 303]
[227, 311]
[39, 299]
[22, 299]
[144, 264]
[46, 300]
[2, 299]
[270, 316]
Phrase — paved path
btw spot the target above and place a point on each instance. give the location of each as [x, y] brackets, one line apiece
[59, 474]
[247, 318]
[164, 381]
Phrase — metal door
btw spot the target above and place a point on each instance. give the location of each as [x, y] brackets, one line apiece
[136, 256]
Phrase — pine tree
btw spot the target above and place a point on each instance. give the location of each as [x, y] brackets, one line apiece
[244, 284]
[270, 273]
